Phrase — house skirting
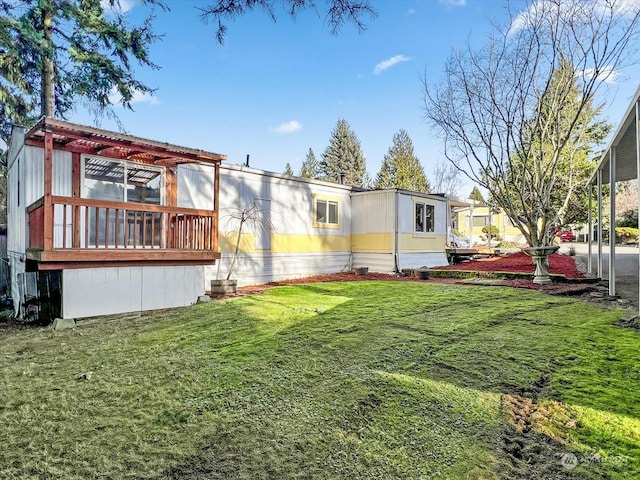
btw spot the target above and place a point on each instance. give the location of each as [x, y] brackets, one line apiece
[88, 292]
[259, 268]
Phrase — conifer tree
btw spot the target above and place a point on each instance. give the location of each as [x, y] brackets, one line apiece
[344, 157]
[476, 195]
[401, 168]
[310, 167]
[288, 170]
[56, 52]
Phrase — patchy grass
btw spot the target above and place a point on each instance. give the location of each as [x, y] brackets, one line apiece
[323, 381]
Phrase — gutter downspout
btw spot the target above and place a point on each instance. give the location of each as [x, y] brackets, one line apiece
[396, 240]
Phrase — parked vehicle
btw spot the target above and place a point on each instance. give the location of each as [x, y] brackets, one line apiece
[566, 236]
[459, 242]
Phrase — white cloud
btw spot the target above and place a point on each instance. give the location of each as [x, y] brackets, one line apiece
[385, 64]
[288, 127]
[606, 75]
[570, 8]
[454, 3]
[124, 7]
[138, 97]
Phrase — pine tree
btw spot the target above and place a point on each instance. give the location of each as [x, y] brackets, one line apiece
[401, 168]
[55, 52]
[343, 156]
[310, 167]
[288, 170]
[476, 195]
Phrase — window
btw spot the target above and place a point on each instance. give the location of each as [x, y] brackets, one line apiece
[424, 216]
[120, 181]
[326, 212]
[480, 220]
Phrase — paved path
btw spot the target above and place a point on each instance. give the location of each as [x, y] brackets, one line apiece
[626, 267]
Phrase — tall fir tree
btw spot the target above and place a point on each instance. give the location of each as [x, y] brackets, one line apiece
[310, 167]
[288, 170]
[344, 156]
[401, 168]
[476, 195]
[54, 53]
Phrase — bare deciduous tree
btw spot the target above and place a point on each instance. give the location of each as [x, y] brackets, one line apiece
[503, 111]
[446, 179]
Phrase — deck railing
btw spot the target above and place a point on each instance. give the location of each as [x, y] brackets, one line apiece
[82, 223]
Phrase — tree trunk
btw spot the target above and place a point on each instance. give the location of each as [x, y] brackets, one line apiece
[47, 90]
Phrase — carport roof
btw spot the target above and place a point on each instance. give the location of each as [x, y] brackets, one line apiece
[625, 143]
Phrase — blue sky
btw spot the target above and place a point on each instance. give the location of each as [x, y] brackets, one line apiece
[274, 90]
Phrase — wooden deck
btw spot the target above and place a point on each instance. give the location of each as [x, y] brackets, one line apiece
[81, 230]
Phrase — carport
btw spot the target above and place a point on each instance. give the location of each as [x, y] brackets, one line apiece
[619, 163]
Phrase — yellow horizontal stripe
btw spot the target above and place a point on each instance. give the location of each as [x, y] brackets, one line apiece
[287, 243]
[429, 242]
[372, 242]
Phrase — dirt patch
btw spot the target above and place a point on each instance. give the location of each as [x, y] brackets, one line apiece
[529, 452]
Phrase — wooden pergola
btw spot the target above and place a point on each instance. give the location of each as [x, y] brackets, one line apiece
[110, 232]
[620, 162]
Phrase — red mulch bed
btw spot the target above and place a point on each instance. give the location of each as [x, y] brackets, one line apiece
[519, 262]
[516, 262]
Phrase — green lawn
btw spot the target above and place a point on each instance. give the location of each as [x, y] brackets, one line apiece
[361, 380]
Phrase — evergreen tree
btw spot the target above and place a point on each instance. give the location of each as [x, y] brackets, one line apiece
[54, 52]
[476, 195]
[401, 168]
[338, 12]
[344, 156]
[288, 170]
[310, 167]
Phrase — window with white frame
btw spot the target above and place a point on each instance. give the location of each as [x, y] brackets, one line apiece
[424, 217]
[326, 212]
[480, 220]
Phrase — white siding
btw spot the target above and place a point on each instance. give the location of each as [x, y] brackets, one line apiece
[291, 200]
[407, 213]
[373, 212]
[32, 179]
[196, 186]
[259, 268]
[416, 260]
[16, 221]
[88, 292]
[377, 262]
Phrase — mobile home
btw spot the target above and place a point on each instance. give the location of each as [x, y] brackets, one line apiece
[107, 223]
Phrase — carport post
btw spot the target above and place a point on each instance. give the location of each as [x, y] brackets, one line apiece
[638, 176]
[590, 230]
[599, 229]
[612, 221]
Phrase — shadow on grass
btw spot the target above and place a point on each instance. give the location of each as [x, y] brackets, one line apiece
[495, 342]
[352, 380]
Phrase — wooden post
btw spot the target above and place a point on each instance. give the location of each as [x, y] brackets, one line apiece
[76, 189]
[171, 189]
[48, 177]
[216, 208]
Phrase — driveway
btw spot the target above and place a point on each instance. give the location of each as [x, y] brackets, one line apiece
[626, 267]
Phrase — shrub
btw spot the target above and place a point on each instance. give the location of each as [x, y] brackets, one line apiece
[626, 234]
[491, 231]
